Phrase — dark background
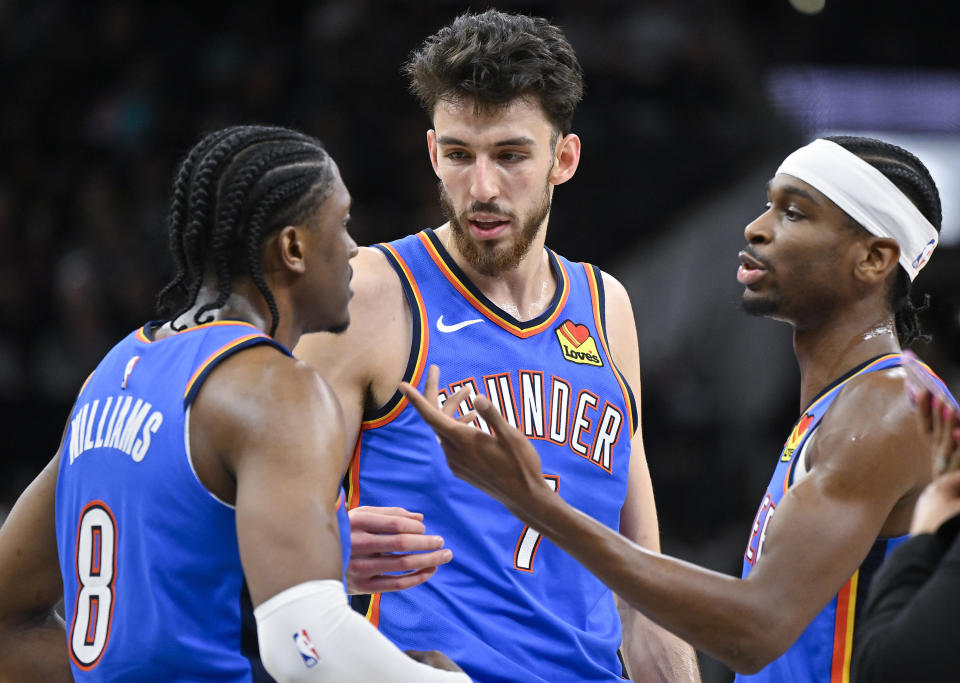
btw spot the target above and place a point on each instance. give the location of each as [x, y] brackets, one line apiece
[689, 108]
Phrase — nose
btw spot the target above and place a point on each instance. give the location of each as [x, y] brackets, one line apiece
[758, 231]
[483, 185]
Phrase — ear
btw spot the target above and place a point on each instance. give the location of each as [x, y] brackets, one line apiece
[567, 158]
[432, 150]
[290, 248]
[880, 257]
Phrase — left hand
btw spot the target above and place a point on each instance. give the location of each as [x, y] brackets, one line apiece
[388, 540]
[505, 465]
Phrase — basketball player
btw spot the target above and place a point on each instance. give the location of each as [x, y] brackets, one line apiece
[195, 494]
[552, 341]
[849, 224]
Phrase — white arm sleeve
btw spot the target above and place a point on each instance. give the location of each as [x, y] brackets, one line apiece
[309, 633]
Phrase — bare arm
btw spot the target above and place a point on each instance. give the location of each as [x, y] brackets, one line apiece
[822, 530]
[283, 446]
[363, 365]
[650, 652]
[32, 638]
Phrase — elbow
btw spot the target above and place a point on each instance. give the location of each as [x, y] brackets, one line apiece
[756, 646]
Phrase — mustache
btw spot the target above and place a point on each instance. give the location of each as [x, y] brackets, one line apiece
[751, 252]
[488, 207]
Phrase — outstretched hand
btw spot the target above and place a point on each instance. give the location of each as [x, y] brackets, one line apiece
[504, 465]
[385, 541]
[939, 418]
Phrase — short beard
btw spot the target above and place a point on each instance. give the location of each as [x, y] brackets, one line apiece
[487, 258]
[765, 308]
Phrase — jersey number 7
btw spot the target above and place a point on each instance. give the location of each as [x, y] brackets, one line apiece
[529, 541]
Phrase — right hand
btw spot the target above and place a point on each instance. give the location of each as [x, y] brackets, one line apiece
[504, 464]
[434, 658]
[385, 541]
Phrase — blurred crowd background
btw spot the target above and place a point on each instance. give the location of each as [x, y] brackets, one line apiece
[690, 106]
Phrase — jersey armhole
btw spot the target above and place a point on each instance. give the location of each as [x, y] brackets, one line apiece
[419, 338]
[595, 280]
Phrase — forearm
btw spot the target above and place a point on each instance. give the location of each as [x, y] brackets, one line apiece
[34, 651]
[713, 612]
[652, 653]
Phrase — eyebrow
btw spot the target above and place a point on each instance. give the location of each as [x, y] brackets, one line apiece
[510, 142]
[796, 191]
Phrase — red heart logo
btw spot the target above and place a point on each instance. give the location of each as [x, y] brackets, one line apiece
[578, 332]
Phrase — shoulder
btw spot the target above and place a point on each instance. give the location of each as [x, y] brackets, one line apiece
[621, 328]
[871, 427]
[615, 293]
[251, 387]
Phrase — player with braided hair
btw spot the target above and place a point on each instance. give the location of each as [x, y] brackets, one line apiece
[194, 505]
[849, 223]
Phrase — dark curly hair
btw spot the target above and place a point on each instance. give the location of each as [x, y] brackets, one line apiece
[235, 188]
[909, 174]
[494, 57]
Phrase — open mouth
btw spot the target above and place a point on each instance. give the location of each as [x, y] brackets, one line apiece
[488, 227]
[750, 270]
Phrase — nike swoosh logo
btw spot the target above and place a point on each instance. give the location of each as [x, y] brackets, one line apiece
[455, 326]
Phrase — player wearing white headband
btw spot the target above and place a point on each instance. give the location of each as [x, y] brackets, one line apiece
[848, 224]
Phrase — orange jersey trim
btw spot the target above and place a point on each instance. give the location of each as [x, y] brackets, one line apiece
[142, 334]
[487, 312]
[216, 354]
[424, 342]
[373, 611]
[843, 631]
[353, 476]
[601, 333]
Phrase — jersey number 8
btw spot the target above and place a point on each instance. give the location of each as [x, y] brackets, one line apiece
[96, 569]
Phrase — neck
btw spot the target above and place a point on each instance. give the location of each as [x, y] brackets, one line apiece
[525, 290]
[242, 306]
[829, 350]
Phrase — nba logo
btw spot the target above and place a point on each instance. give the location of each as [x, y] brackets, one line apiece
[305, 647]
[924, 256]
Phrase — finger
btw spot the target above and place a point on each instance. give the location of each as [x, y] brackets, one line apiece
[389, 583]
[504, 433]
[375, 523]
[923, 403]
[459, 399]
[433, 383]
[440, 423]
[428, 411]
[395, 511]
[363, 543]
[942, 432]
[392, 564]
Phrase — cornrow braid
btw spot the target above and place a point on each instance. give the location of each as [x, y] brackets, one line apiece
[913, 178]
[235, 188]
[257, 225]
[239, 179]
[175, 220]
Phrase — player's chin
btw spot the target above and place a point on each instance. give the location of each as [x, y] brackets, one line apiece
[341, 326]
[754, 303]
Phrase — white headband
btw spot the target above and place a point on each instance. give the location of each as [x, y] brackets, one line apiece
[867, 196]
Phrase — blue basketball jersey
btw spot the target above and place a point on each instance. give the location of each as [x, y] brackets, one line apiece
[822, 653]
[153, 586]
[511, 606]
